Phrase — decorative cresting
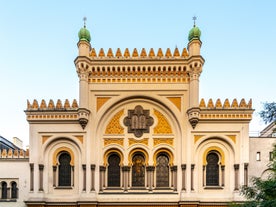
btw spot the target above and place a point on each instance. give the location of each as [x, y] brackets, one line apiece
[225, 110]
[14, 154]
[163, 126]
[143, 54]
[56, 111]
[51, 106]
[114, 126]
[141, 67]
[138, 121]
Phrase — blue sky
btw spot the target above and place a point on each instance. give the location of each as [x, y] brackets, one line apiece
[38, 46]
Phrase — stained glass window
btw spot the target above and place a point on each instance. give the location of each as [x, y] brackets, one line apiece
[212, 169]
[138, 170]
[162, 171]
[64, 170]
[113, 171]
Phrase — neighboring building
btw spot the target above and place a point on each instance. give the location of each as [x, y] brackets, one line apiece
[138, 136]
[6, 144]
[261, 151]
[14, 174]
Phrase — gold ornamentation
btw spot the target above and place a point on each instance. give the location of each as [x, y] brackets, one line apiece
[101, 101]
[132, 141]
[114, 126]
[111, 151]
[176, 101]
[79, 137]
[163, 126]
[61, 149]
[168, 141]
[44, 138]
[197, 137]
[166, 151]
[108, 141]
[217, 149]
[232, 137]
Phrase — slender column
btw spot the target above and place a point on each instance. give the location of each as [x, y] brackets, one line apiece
[174, 177]
[222, 175]
[84, 177]
[126, 170]
[31, 176]
[192, 176]
[203, 175]
[102, 177]
[92, 168]
[150, 170]
[54, 176]
[40, 167]
[236, 167]
[183, 176]
[72, 177]
[246, 174]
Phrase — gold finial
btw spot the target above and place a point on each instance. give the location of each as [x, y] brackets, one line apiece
[84, 22]
[194, 18]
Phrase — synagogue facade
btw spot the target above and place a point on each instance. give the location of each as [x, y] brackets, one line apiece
[138, 135]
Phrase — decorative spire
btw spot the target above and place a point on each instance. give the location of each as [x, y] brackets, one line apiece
[194, 18]
[84, 22]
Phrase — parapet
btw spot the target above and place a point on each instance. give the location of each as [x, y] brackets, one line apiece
[51, 105]
[238, 111]
[15, 154]
[226, 105]
[143, 54]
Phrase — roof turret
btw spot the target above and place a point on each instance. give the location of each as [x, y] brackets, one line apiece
[194, 32]
[84, 34]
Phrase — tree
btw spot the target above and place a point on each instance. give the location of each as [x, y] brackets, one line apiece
[268, 114]
[262, 192]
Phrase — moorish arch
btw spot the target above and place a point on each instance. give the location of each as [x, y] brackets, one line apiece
[215, 161]
[63, 163]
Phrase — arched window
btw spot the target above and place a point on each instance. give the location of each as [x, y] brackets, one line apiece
[13, 190]
[4, 190]
[64, 169]
[162, 170]
[138, 170]
[114, 171]
[212, 169]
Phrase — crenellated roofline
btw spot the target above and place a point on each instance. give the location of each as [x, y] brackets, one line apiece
[14, 154]
[236, 111]
[139, 55]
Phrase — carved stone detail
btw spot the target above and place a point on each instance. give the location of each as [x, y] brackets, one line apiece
[138, 121]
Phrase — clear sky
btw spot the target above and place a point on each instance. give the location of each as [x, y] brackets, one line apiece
[38, 46]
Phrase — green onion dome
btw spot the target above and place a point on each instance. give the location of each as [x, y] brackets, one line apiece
[194, 33]
[84, 34]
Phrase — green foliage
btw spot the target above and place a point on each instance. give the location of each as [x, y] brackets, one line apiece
[268, 114]
[262, 192]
